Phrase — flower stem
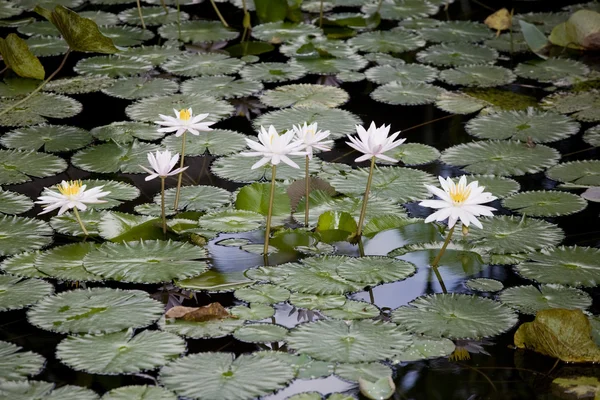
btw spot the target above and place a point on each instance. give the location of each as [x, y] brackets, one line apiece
[443, 249]
[379, 6]
[306, 192]
[162, 205]
[219, 14]
[320, 15]
[268, 229]
[139, 7]
[85, 232]
[180, 177]
[37, 89]
[363, 210]
[164, 6]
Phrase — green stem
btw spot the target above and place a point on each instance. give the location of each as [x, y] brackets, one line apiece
[164, 6]
[363, 210]
[219, 14]
[139, 7]
[270, 212]
[247, 24]
[321, 14]
[180, 177]
[162, 205]
[306, 192]
[379, 6]
[371, 295]
[443, 249]
[440, 280]
[76, 212]
[18, 103]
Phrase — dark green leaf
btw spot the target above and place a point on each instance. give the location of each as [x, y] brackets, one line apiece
[271, 10]
[17, 56]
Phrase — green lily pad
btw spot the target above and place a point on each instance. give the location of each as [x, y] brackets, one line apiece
[352, 310]
[406, 94]
[373, 270]
[279, 32]
[197, 198]
[23, 265]
[50, 138]
[499, 186]
[304, 96]
[332, 66]
[112, 66]
[218, 142]
[371, 370]
[126, 132]
[119, 352]
[552, 70]
[155, 55]
[317, 302]
[96, 310]
[44, 46]
[205, 64]
[478, 76]
[14, 203]
[485, 285]
[66, 262]
[405, 73]
[424, 347]
[232, 221]
[254, 312]
[413, 154]
[139, 87]
[126, 36]
[100, 17]
[456, 316]
[139, 392]
[577, 173]
[460, 103]
[112, 157]
[238, 169]
[273, 71]
[583, 106]
[9, 9]
[401, 9]
[37, 108]
[27, 390]
[531, 299]
[153, 16]
[17, 293]
[387, 41]
[19, 234]
[263, 294]
[502, 43]
[221, 87]
[260, 333]
[39, 28]
[198, 32]
[542, 203]
[573, 266]
[592, 136]
[457, 54]
[457, 31]
[79, 84]
[67, 224]
[17, 365]
[148, 109]
[17, 166]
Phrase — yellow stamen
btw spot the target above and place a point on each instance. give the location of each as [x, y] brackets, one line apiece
[185, 114]
[72, 188]
[460, 354]
[459, 195]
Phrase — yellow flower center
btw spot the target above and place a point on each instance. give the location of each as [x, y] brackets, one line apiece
[459, 354]
[185, 114]
[459, 195]
[72, 188]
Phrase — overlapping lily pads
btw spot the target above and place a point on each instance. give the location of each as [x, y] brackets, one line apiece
[19, 234]
[14, 203]
[457, 54]
[577, 173]
[305, 96]
[202, 64]
[112, 66]
[50, 138]
[387, 41]
[457, 31]
[531, 299]
[406, 94]
[221, 87]
[583, 106]
[405, 73]
[198, 32]
[113, 157]
[17, 293]
[147, 109]
[278, 32]
[401, 9]
[552, 70]
[66, 262]
[37, 108]
[478, 76]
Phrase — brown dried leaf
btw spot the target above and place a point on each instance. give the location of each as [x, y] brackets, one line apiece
[297, 190]
[500, 20]
[199, 314]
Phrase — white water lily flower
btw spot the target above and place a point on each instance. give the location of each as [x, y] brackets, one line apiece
[374, 142]
[162, 163]
[184, 120]
[274, 148]
[312, 138]
[459, 201]
[70, 194]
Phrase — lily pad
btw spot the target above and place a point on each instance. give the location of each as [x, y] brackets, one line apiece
[155, 55]
[552, 70]
[50, 138]
[544, 203]
[499, 186]
[592, 136]
[112, 66]
[371, 371]
[126, 36]
[139, 392]
[351, 341]
[17, 293]
[120, 352]
[373, 270]
[67, 224]
[457, 31]
[14, 203]
[273, 71]
[583, 106]
[42, 46]
[153, 16]
[197, 198]
[405, 73]
[202, 64]
[27, 390]
[126, 132]
[496, 157]
[225, 377]
[37, 108]
[457, 54]
[531, 299]
[260, 333]
[352, 310]
[17, 166]
[96, 310]
[573, 266]
[238, 169]
[406, 94]
[214, 328]
[66, 262]
[401, 9]
[387, 41]
[455, 316]
[112, 157]
[413, 154]
[79, 84]
[478, 76]
[19, 234]
[139, 87]
[254, 312]
[221, 87]
[332, 66]
[232, 221]
[263, 294]
[218, 142]
[148, 109]
[316, 302]
[424, 347]
[460, 103]
[485, 285]
[279, 32]
[304, 96]
[198, 32]
[16, 365]
[577, 173]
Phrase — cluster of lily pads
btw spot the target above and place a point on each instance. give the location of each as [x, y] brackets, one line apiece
[313, 263]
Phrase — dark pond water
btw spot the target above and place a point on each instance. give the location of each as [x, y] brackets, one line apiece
[503, 373]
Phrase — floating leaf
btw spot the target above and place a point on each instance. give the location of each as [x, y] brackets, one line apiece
[531, 299]
[455, 316]
[39, 28]
[238, 168]
[509, 234]
[148, 109]
[580, 386]
[19, 234]
[352, 341]
[581, 173]
[155, 55]
[352, 310]
[9, 9]
[232, 221]
[153, 16]
[224, 376]
[197, 198]
[100, 17]
[459, 103]
[47, 46]
[263, 294]
[66, 262]
[257, 198]
[499, 186]
[457, 54]
[67, 223]
[254, 312]
[139, 392]
[503, 43]
[112, 66]
[221, 87]
[273, 72]
[338, 122]
[79, 84]
[278, 32]
[52, 138]
[217, 142]
[37, 107]
[558, 333]
[17, 293]
[304, 96]
[457, 31]
[592, 136]
[202, 64]
[501, 20]
[126, 132]
[573, 266]
[17, 57]
[371, 370]
[335, 226]
[502, 99]
[582, 106]
[406, 94]
[424, 347]
[405, 73]
[198, 32]
[316, 302]
[580, 31]
[552, 70]
[484, 285]
[401, 9]
[387, 41]
[16, 365]
[96, 310]
[544, 203]
[120, 352]
[27, 390]
[308, 47]
[214, 328]
[478, 75]
[373, 270]
[386, 222]
[260, 333]
[140, 87]
[14, 203]
[535, 39]
[112, 157]
[500, 157]
[126, 35]
[382, 388]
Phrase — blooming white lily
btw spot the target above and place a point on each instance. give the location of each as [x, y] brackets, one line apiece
[71, 194]
[162, 163]
[183, 121]
[312, 138]
[374, 142]
[459, 201]
[274, 148]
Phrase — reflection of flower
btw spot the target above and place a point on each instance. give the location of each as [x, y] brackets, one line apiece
[459, 201]
[183, 121]
[71, 194]
[464, 349]
[312, 138]
[374, 142]
[274, 148]
[162, 163]
[246, 105]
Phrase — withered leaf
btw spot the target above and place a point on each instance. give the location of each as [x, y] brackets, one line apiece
[500, 20]
[209, 312]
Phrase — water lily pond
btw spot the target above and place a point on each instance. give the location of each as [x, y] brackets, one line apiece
[157, 240]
